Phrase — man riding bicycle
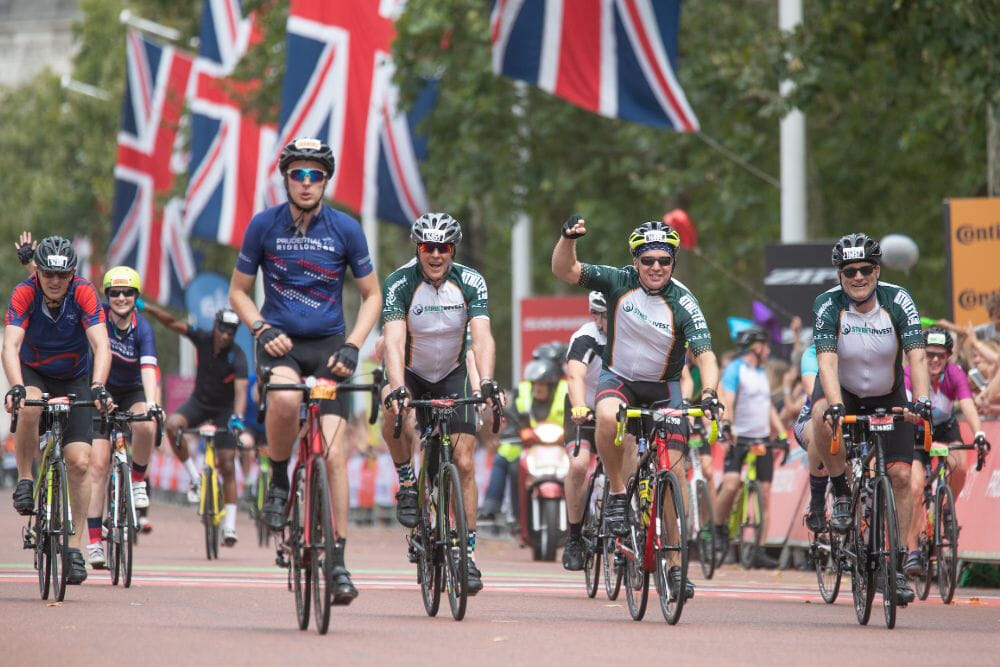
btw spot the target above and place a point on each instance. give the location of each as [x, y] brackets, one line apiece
[949, 385]
[583, 371]
[862, 329]
[55, 342]
[651, 316]
[219, 397]
[303, 249]
[746, 390]
[428, 303]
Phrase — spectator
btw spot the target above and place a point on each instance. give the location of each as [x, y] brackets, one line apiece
[984, 332]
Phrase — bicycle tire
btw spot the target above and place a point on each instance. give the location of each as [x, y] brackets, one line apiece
[301, 571]
[59, 530]
[613, 572]
[454, 536]
[862, 574]
[636, 575]
[923, 581]
[205, 505]
[704, 535]
[113, 553]
[263, 533]
[751, 521]
[429, 564]
[126, 520]
[887, 534]
[42, 563]
[590, 533]
[825, 551]
[946, 542]
[321, 547]
[669, 495]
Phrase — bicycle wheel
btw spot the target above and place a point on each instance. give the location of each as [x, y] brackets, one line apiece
[671, 547]
[886, 548]
[946, 542]
[40, 526]
[299, 557]
[590, 533]
[59, 530]
[217, 510]
[750, 524]
[126, 523]
[613, 572]
[705, 534]
[263, 534]
[928, 553]
[113, 550]
[862, 573]
[321, 547]
[205, 505]
[825, 550]
[454, 537]
[636, 576]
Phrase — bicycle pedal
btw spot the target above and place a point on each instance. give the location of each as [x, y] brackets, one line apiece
[28, 538]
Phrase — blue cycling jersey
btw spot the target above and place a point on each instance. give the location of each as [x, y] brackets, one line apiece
[131, 351]
[304, 275]
[809, 365]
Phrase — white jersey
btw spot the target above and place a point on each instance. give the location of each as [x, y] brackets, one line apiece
[587, 346]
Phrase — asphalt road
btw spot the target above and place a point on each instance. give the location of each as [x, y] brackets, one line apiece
[182, 608]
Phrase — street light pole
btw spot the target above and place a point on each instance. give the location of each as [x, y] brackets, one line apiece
[793, 146]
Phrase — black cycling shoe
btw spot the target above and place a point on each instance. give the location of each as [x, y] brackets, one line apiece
[77, 568]
[721, 541]
[816, 519]
[24, 499]
[840, 518]
[474, 582]
[674, 580]
[904, 592]
[913, 564]
[273, 511]
[614, 515]
[344, 591]
[573, 559]
[406, 505]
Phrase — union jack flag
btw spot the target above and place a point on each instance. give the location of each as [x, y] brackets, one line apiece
[338, 88]
[229, 150]
[147, 234]
[612, 57]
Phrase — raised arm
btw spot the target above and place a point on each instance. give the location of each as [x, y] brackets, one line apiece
[565, 265]
[167, 320]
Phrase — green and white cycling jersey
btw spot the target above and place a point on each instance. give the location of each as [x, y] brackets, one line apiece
[647, 331]
[436, 318]
[870, 345]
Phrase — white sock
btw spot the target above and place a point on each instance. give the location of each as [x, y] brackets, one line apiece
[230, 517]
[192, 470]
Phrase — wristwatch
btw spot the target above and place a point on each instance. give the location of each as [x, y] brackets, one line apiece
[257, 326]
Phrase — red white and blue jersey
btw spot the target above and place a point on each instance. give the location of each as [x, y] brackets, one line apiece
[55, 343]
[131, 351]
[304, 275]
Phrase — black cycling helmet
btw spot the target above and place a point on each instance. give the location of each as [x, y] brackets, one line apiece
[307, 148]
[227, 319]
[751, 335]
[553, 351]
[542, 370]
[436, 228]
[56, 254]
[856, 247]
[939, 336]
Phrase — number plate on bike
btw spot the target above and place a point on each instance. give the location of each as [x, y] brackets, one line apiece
[883, 423]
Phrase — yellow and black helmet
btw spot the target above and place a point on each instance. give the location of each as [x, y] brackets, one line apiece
[653, 235]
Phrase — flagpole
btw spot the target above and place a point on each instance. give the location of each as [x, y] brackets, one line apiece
[151, 27]
[520, 242]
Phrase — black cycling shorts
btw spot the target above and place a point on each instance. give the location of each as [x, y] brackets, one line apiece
[79, 425]
[737, 454]
[453, 385]
[309, 357]
[646, 394]
[197, 413]
[899, 445]
[124, 398]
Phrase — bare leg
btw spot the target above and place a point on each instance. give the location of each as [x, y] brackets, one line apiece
[77, 456]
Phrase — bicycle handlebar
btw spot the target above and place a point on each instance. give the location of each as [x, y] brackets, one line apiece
[626, 413]
[316, 389]
[129, 417]
[447, 405]
[980, 452]
[880, 418]
[44, 403]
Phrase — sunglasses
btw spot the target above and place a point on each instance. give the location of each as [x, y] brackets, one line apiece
[115, 293]
[855, 270]
[53, 275]
[936, 355]
[227, 329]
[300, 175]
[662, 261]
[442, 248]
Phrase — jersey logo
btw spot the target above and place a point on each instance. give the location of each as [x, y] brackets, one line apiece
[390, 298]
[475, 280]
[904, 301]
[855, 329]
[691, 306]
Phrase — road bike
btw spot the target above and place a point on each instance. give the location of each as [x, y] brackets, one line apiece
[306, 547]
[598, 543]
[657, 541]
[210, 506]
[938, 542]
[825, 554]
[746, 519]
[439, 543]
[51, 522]
[259, 494]
[700, 521]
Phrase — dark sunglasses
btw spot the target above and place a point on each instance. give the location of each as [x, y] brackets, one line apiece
[300, 175]
[442, 248]
[662, 261]
[52, 275]
[855, 270]
[936, 355]
[115, 293]
[227, 329]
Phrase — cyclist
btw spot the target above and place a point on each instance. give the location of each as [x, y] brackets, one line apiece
[429, 301]
[583, 369]
[747, 390]
[949, 385]
[219, 397]
[651, 316]
[303, 249]
[55, 342]
[818, 478]
[863, 327]
[132, 383]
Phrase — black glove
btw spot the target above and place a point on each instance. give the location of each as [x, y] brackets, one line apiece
[348, 356]
[920, 408]
[17, 394]
[397, 396]
[25, 253]
[490, 389]
[980, 441]
[570, 224]
[835, 413]
[782, 444]
[101, 396]
[269, 334]
[710, 403]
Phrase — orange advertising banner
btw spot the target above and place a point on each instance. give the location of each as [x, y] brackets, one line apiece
[973, 227]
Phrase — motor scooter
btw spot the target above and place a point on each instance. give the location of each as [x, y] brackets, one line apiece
[543, 468]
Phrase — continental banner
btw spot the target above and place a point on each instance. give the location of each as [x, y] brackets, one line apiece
[973, 228]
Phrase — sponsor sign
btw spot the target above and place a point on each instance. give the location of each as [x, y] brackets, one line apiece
[973, 230]
[549, 318]
[796, 273]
